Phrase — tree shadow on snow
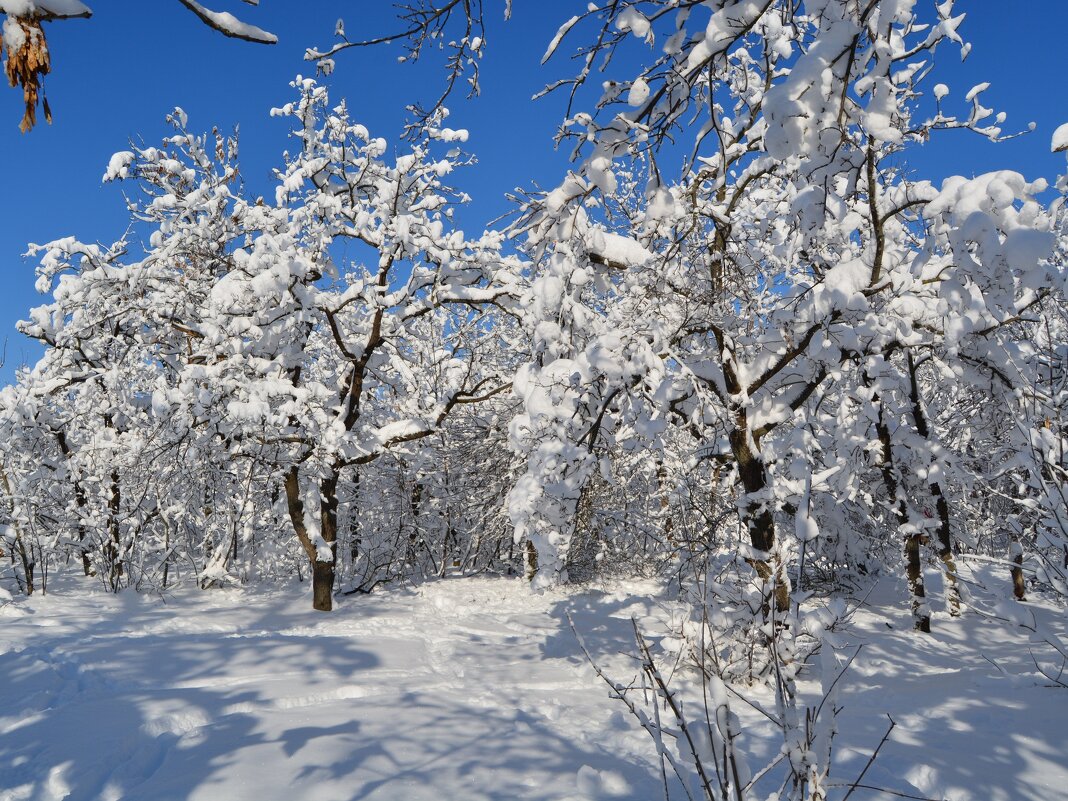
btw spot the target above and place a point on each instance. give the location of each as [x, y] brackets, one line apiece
[104, 711]
[125, 701]
[965, 725]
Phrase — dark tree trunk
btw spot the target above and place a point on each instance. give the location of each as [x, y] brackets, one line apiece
[81, 502]
[322, 586]
[114, 544]
[758, 516]
[1019, 589]
[921, 617]
[28, 564]
[530, 554]
[354, 521]
[323, 570]
[945, 550]
[945, 535]
[87, 562]
[668, 525]
[113, 555]
[19, 545]
[167, 554]
[415, 503]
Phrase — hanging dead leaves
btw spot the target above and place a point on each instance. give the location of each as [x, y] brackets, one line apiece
[26, 63]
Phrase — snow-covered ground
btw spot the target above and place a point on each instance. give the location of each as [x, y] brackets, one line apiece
[464, 689]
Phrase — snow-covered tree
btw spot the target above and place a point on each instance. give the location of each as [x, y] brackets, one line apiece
[790, 250]
[239, 338]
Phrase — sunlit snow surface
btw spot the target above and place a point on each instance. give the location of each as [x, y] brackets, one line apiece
[468, 689]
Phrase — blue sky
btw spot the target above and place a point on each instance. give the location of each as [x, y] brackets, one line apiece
[117, 75]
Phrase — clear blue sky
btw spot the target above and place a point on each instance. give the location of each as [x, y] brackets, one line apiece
[116, 75]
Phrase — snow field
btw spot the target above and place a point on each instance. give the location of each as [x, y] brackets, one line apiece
[469, 689]
[474, 689]
[975, 719]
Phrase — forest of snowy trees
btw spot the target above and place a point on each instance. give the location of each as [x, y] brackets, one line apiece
[741, 347]
[790, 352]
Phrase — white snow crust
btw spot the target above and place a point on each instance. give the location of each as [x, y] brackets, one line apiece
[53, 8]
[1060, 138]
[231, 25]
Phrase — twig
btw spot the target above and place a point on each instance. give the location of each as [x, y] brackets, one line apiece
[992, 662]
[653, 729]
[888, 792]
[871, 759]
[1057, 680]
[1033, 628]
[841, 673]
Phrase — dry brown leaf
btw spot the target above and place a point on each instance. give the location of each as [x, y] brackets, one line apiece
[26, 66]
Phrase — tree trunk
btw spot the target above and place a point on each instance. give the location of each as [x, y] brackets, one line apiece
[114, 544]
[758, 517]
[322, 586]
[415, 538]
[945, 550]
[353, 521]
[28, 563]
[667, 531]
[530, 559]
[1016, 556]
[80, 500]
[921, 616]
[945, 535]
[87, 562]
[322, 569]
[26, 557]
[166, 552]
